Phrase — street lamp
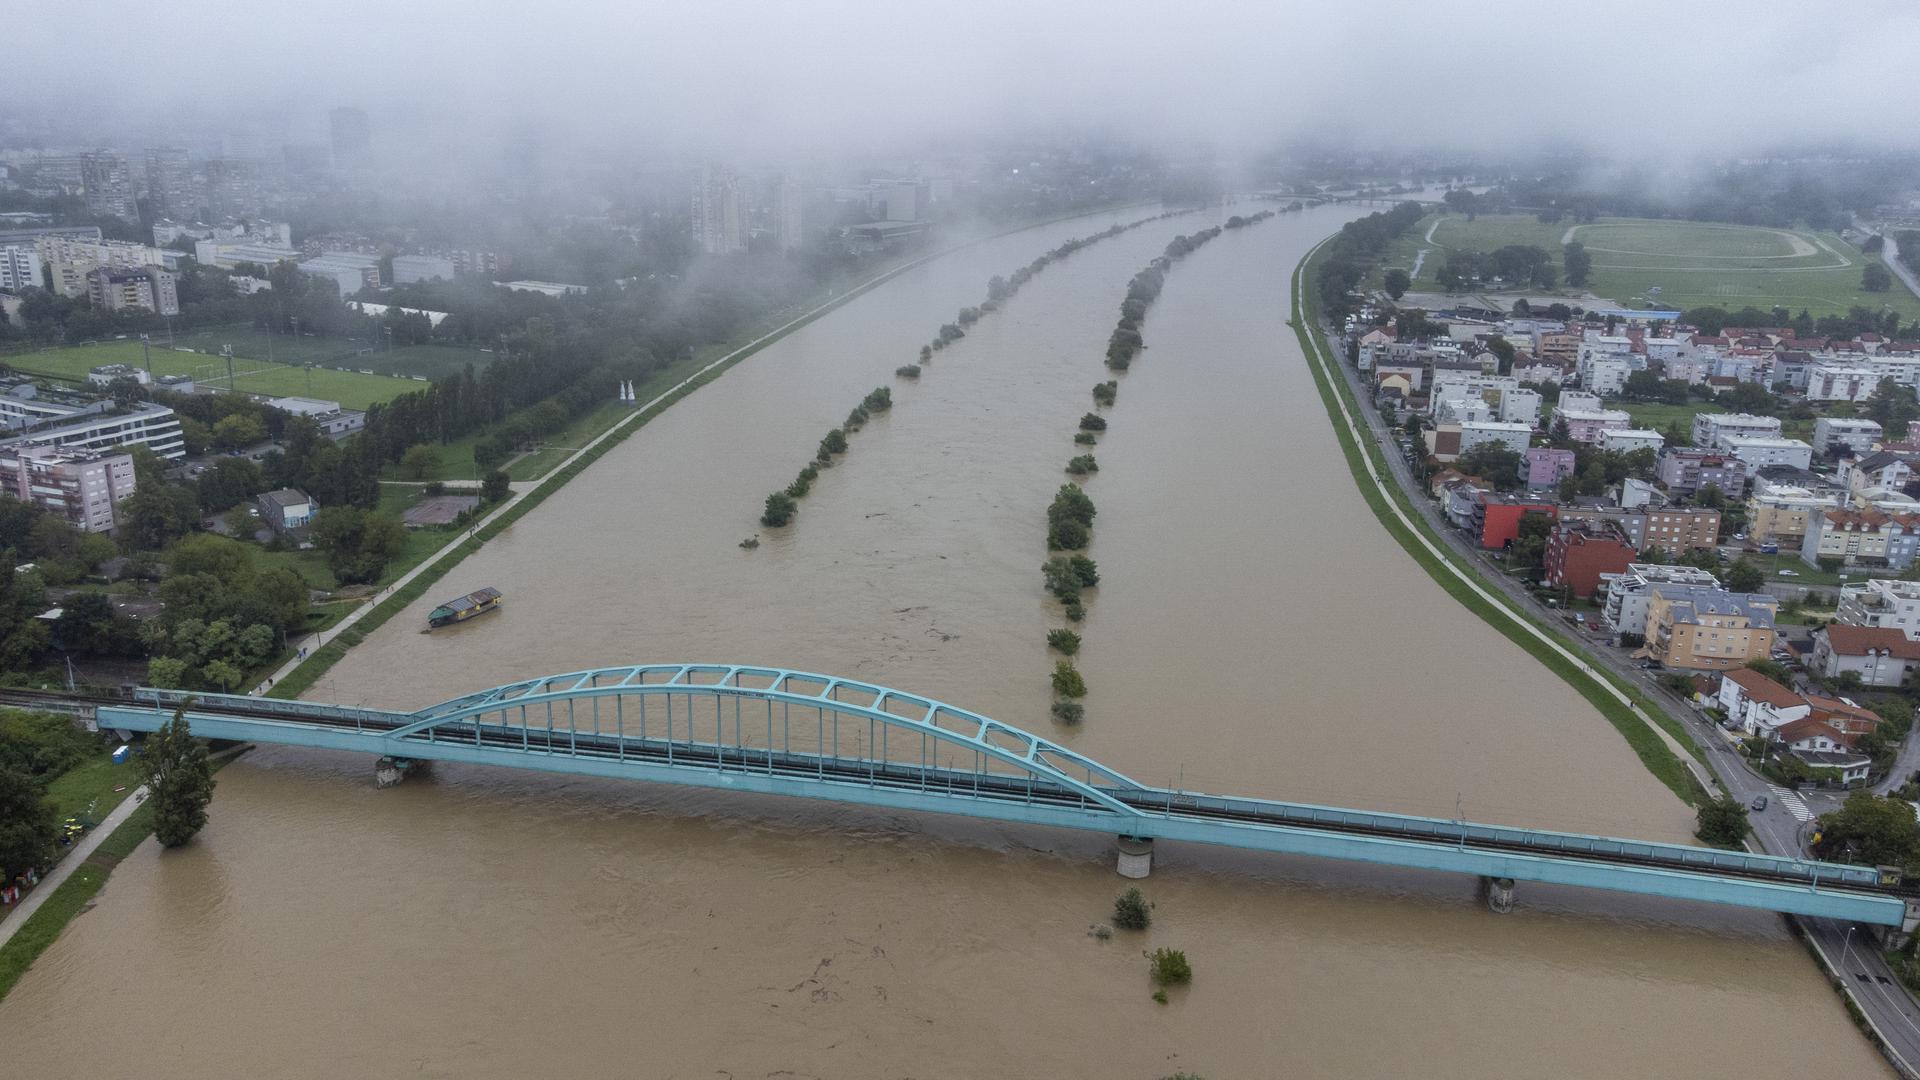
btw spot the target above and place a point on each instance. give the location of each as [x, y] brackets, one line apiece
[1844, 952]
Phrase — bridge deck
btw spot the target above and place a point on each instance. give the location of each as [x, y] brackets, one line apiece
[478, 730]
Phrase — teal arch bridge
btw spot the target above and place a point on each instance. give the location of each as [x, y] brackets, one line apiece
[781, 732]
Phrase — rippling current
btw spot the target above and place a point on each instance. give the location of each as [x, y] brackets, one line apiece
[1254, 633]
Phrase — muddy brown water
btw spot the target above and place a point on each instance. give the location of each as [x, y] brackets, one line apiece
[1254, 633]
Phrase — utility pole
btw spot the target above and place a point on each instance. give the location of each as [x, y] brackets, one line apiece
[227, 351]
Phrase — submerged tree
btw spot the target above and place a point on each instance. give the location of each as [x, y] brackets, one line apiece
[179, 779]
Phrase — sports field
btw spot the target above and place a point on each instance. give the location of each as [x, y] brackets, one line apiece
[349, 388]
[1674, 264]
[328, 368]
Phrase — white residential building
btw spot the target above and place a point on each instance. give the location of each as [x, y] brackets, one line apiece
[549, 288]
[19, 267]
[411, 268]
[1833, 382]
[1480, 432]
[1578, 401]
[348, 270]
[1757, 705]
[227, 254]
[152, 426]
[1457, 410]
[1627, 440]
[1713, 429]
[1605, 375]
[1856, 435]
[1761, 452]
[1885, 603]
[82, 487]
[69, 259]
[1520, 407]
[1628, 592]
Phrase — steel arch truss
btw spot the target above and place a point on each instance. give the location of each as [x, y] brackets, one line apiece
[538, 703]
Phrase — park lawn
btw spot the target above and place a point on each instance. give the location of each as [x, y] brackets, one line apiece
[86, 790]
[1789, 559]
[1657, 415]
[420, 361]
[538, 463]
[456, 458]
[310, 565]
[1405, 249]
[1489, 232]
[351, 389]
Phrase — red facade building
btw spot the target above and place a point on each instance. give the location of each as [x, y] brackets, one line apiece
[1578, 552]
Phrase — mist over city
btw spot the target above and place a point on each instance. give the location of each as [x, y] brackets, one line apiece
[941, 540]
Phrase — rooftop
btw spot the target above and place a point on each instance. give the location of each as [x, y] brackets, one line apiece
[1859, 640]
[1758, 687]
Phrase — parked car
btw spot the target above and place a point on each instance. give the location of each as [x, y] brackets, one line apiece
[1759, 802]
[1789, 573]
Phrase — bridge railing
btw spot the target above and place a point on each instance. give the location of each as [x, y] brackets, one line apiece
[1544, 842]
[291, 710]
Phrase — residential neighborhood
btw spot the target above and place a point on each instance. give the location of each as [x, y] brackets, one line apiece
[1734, 513]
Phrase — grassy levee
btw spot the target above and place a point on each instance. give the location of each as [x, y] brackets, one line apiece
[323, 658]
[303, 677]
[75, 893]
[1599, 687]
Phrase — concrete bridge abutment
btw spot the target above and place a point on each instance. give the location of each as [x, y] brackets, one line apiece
[1136, 857]
[1499, 894]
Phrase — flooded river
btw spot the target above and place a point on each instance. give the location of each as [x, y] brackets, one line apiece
[1254, 633]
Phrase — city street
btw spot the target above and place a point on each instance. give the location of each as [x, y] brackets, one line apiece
[1847, 951]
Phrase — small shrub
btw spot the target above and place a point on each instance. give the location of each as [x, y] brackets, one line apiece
[1104, 393]
[1067, 681]
[1160, 996]
[1083, 438]
[1170, 967]
[1093, 422]
[1085, 571]
[750, 543]
[880, 400]
[435, 487]
[1068, 535]
[1082, 465]
[780, 510]
[835, 442]
[1065, 642]
[926, 353]
[1099, 932]
[856, 419]
[1069, 712]
[1131, 911]
[908, 371]
[798, 489]
[1075, 612]
[1062, 580]
[810, 473]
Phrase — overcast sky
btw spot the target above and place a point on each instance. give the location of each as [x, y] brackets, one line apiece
[723, 76]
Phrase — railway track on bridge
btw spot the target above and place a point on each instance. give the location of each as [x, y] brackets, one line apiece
[378, 727]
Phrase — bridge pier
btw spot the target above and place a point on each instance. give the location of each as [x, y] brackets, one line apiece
[1499, 894]
[389, 771]
[1136, 857]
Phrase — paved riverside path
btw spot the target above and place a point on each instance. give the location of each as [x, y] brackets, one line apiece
[20, 914]
[312, 642]
[1845, 951]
